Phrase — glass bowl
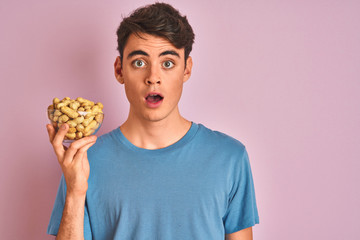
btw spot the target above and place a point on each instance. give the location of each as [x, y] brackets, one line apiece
[81, 123]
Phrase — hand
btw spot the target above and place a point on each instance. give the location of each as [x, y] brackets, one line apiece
[73, 160]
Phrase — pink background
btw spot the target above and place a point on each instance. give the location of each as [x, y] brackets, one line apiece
[283, 77]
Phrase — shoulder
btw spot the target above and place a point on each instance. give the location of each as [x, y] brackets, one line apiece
[227, 152]
[218, 137]
[105, 141]
[220, 140]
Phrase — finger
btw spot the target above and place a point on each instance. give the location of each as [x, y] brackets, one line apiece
[75, 146]
[58, 139]
[82, 153]
[51, 132]
[78, 148]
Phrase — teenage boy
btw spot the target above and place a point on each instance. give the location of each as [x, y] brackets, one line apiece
[157, 176]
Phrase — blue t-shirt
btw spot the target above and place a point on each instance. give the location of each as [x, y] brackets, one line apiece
[200, 187]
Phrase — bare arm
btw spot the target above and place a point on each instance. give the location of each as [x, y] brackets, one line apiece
[75, 166]
[245, 234]
[72, 222]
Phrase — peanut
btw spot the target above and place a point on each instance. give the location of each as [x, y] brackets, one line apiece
[82, 115]
[57, 113]
[79, 119]
[100, 105]
[70, 112]
[74, 105]
[87, 103]
[80, 100]
[55, 101]
[72, 123]
[71, 136]
[87, 121]
[99, 118]
[72, 130]
[96, 109]
[63, 118]
[79, 135]
[89, 132]
[80, 128]
[50, 111]
[62, 104]
[90, 128]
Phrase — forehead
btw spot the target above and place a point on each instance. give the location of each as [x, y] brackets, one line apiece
[153, 45]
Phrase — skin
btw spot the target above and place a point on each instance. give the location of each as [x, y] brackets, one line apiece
[75, 167]
[245, 234]
[150, 64]
[153, 70]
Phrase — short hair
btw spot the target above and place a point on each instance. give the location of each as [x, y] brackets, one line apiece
[159, 19]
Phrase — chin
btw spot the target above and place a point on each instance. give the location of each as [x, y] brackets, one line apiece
[155, 116]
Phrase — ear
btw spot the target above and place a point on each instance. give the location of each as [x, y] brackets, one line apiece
[118, 70]
[188, 68]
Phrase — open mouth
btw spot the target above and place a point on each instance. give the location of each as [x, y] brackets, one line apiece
[154, 98]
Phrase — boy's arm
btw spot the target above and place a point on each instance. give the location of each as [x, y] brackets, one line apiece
[245, 234]
[76, 169]
[72, 221]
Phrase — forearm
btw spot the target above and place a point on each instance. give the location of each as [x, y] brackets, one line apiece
[245, 234]
[72, 221]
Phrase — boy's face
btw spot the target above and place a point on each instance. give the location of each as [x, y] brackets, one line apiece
[153, 72]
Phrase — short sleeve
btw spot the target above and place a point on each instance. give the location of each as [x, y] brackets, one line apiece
[57, 211]
[242, 209]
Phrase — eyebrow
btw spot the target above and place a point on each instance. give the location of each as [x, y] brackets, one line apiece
[140, 52]
[169, 53]
[137, 52]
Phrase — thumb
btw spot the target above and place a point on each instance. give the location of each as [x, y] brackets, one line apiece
[51, 132]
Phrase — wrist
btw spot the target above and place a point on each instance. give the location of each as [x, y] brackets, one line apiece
[77, 191]
[76, 196]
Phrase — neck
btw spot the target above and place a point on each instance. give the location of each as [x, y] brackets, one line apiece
[155, 134]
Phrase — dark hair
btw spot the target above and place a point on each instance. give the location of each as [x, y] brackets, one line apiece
[159, 19]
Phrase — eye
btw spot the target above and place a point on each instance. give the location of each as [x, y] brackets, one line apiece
[168, 64]
[139, 63]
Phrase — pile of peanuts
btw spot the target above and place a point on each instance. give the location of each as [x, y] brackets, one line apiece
[83, 116]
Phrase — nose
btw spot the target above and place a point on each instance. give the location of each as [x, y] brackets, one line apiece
[153, 76]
